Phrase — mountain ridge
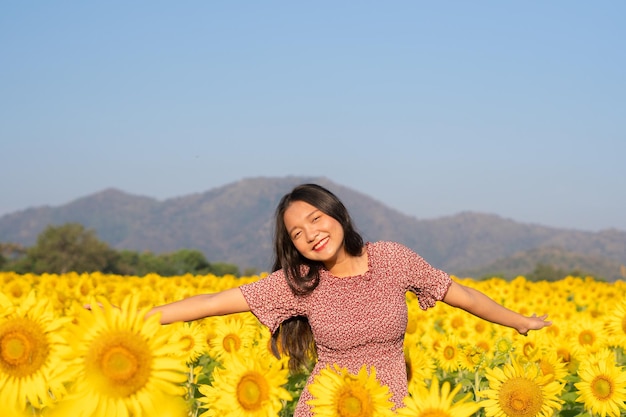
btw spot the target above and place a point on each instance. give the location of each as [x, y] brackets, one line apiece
[233, 223]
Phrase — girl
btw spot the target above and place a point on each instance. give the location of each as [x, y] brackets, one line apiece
[333, 298]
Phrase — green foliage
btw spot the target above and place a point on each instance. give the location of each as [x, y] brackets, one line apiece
[66, 248]
[71, 247]
[547, 272]
[221, 269]
[135, 263]
[189, 260]
[295, 385]
[184, 261]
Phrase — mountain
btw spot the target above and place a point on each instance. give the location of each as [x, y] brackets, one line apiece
[234, 224]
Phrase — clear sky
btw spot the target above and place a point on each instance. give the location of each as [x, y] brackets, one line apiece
[515, 108]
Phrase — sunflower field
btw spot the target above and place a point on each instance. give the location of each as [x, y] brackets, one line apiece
[58, 358]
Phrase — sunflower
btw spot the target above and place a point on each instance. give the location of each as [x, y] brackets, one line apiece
[85, 285]
[33, 344]
[517, 390]
[128, 364]
[564, 351]
[457, 323]
[338, 393]
[193, 336]
[229, 335]
[448, 353]
[244, 387]
[17, 288]
[434, 402]
[472, 358]
[503, 346]
[529, 346]
[412, 324]
[602, 386]
[264, 345]
[551, 364]
[419, 367]
[587, 336]
[8, 411]
[616, 325]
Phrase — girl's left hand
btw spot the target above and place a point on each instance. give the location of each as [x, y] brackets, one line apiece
[535, 322]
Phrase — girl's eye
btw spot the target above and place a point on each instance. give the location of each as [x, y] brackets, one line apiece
[295, 235]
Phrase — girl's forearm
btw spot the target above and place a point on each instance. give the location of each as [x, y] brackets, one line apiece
[188, 309]
[486, 308]
[200, 306]
[480, 305]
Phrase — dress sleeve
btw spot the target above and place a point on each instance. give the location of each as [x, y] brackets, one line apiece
[427, 282]
[271, 300]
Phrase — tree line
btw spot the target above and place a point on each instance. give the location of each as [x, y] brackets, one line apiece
[73, 248]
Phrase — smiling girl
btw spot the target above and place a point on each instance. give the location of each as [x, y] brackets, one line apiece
[335, 299]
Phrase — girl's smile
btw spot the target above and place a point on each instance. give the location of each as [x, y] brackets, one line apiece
[320, 245]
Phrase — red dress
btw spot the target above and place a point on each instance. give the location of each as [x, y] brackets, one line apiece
[356, 320]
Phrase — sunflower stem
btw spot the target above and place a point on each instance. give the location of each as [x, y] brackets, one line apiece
[193, 409]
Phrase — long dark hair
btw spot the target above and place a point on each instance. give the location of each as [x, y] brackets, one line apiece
[294, 336]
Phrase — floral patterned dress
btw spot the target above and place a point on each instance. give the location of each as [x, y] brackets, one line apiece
[356, 320]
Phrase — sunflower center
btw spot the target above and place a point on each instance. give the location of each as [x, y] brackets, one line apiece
[474, 357]
[503, 346]
[564, 354]
[528, 349]
[546, 367]
[252, 391]
[123, 362]
[482, 345]
[354, 401]
[231, 343]
[16, 348]
[190, 343]
[520, 397]
[23, 347]
[602, 388]
[119, 364]
[84, 289]
[553, 330]
[457, 322]
[480, 327]
[586, 337]
[449, 352]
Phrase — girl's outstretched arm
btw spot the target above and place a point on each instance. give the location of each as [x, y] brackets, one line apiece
[201, 306]
[480, 305]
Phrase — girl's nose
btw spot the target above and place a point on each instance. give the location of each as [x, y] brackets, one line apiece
[311, 235]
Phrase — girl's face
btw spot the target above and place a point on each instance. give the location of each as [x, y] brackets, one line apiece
[316, 235]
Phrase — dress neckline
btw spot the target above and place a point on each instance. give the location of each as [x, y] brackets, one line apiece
[366, 275]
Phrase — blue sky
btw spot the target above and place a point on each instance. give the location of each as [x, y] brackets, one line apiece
[433, 108]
